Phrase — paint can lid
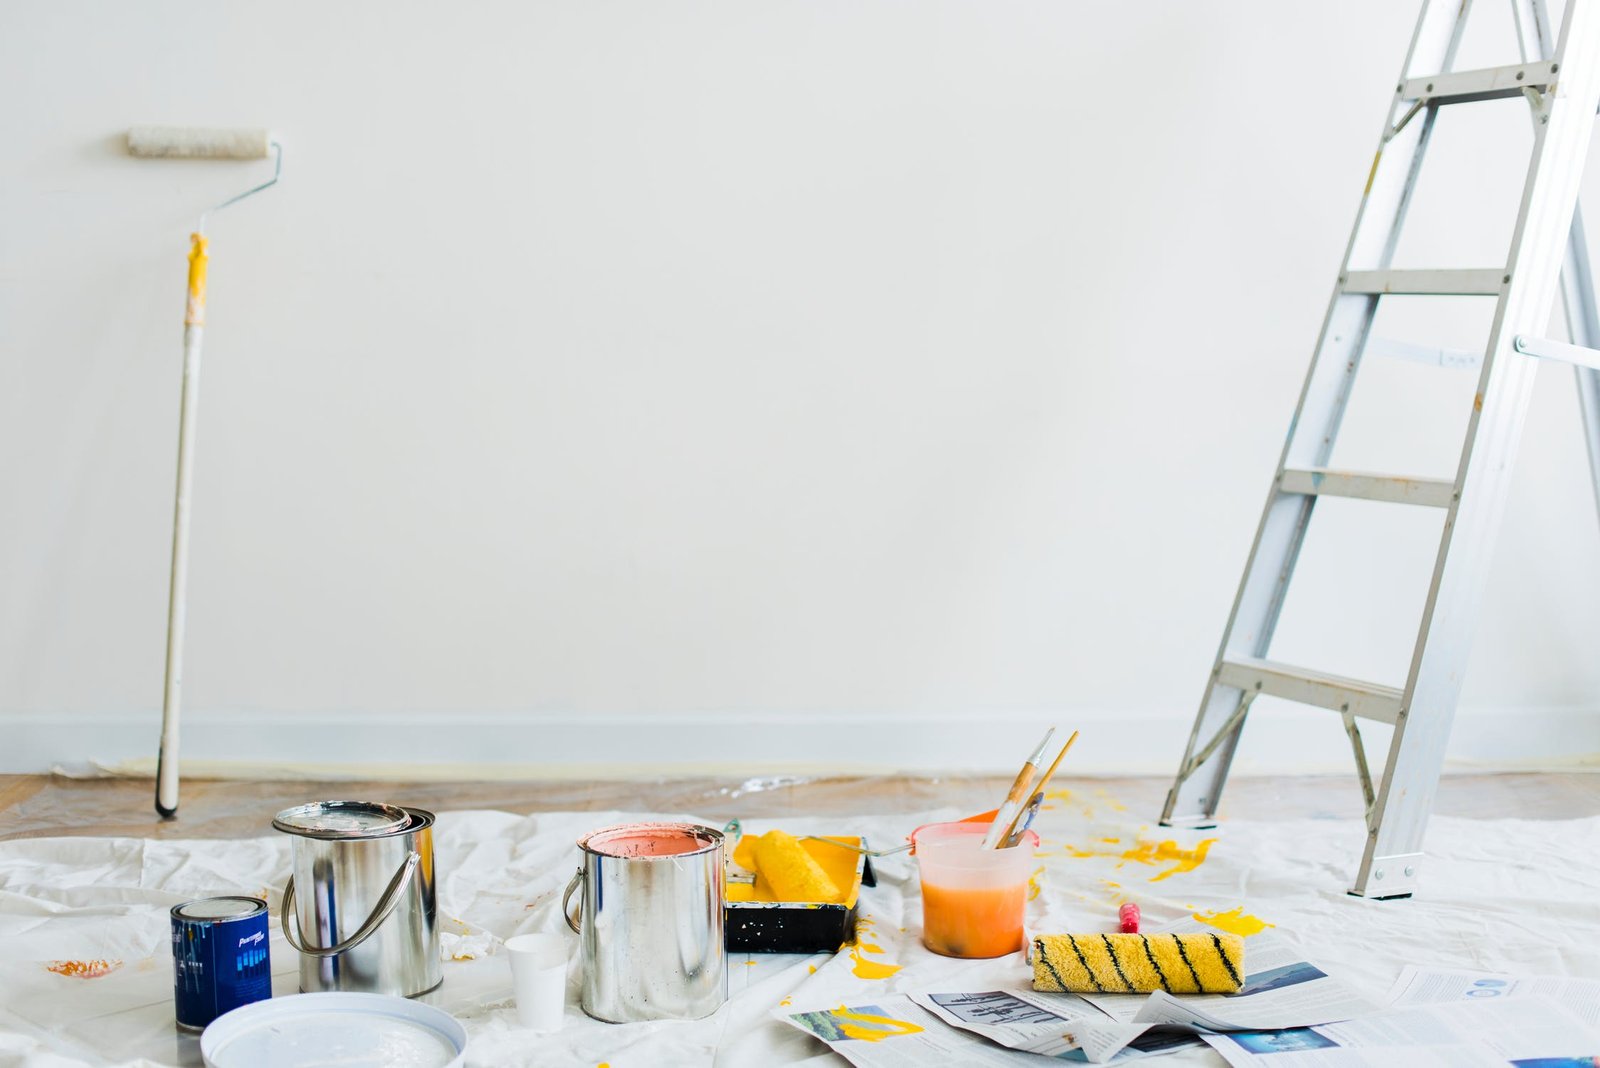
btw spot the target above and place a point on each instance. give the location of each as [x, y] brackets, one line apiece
[359, 1030]
[218, 908]
[342, 819]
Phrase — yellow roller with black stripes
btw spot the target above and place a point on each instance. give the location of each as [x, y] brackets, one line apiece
[1138, 963]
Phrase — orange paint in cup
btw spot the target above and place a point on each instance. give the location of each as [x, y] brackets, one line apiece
[973, 899]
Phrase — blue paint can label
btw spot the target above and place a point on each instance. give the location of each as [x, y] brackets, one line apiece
[219, 957]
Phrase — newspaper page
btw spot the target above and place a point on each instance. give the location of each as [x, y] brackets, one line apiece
[1281, 990]
[1048, 1024]
[893, 1032]
[1432, 986]
[1526, 1032]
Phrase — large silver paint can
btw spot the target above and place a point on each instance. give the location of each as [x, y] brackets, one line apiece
[359, 906]
[650, 920]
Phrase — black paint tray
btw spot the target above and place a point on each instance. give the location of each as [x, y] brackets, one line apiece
[804, 926]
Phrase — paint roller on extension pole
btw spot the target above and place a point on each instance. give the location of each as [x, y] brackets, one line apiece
[190, 142]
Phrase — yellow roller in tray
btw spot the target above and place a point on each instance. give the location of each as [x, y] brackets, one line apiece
[804, 898]
[790, 870]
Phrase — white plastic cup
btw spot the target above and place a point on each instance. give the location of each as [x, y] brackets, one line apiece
[973, 899]
[539, 979]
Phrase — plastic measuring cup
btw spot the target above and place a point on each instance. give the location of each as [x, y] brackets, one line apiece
[539, 979]
[973, 898]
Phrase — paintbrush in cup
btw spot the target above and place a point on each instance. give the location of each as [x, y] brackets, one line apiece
[1017, 797]
[1013, 836]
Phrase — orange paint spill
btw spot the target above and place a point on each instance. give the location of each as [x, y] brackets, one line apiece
[83, 969]
[1235, 921]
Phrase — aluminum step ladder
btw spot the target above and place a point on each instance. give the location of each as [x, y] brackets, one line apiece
[1561, 82]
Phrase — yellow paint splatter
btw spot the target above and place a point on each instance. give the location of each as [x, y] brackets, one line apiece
[1033, 882]
[1235, 921]
[811, 968]
[786, 1001]
[1110, 802]
[462, 956]
[1147, 851]
[1186, 860]
[877, 1028]
[83, 969]
[1055, 795]
[870, 969]
[1111, 841]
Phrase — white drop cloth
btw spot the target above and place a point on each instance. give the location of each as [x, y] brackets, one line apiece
[1506, 895]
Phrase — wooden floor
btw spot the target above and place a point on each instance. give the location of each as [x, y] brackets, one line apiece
[38, 805]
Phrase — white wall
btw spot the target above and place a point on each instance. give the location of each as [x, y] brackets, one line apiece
[729, 382]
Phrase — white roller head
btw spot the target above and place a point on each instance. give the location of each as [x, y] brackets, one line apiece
[199, 142]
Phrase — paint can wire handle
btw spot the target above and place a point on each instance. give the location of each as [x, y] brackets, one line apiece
[566, 898]
[380, 912]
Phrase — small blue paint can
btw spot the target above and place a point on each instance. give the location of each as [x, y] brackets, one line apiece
[219, 957]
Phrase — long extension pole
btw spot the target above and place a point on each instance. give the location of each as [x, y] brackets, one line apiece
[194, 319]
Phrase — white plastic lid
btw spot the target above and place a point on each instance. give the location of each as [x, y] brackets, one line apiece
[344, 1029]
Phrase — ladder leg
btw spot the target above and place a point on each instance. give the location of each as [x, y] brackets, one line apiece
[1390, 864]
[1577, 280]
[1583, 328]
[1197, 788]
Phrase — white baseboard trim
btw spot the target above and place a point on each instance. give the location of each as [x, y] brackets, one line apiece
[524, 746]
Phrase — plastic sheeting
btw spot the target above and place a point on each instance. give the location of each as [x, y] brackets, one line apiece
[1505, 894]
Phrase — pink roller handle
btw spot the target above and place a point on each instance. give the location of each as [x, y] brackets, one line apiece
[1129, 915]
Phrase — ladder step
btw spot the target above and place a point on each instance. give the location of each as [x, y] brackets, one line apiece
[1365, 699]
[1430, 492]
[1490, 83]
[1457, 282]
[1430, 354]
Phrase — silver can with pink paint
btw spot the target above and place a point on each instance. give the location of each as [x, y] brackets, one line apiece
[650, 919]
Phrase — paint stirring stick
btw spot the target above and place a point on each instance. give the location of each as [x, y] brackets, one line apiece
[1044, 780]
[1007, 815]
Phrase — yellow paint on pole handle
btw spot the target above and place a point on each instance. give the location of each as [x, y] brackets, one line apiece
[195, 311]
[1372, 175]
